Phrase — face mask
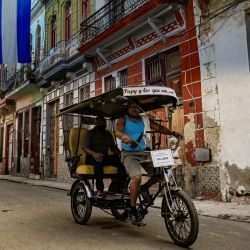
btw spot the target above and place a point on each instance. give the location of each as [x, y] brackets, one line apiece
[173, 146]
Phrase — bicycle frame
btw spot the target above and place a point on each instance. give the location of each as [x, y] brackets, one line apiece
[164, 184]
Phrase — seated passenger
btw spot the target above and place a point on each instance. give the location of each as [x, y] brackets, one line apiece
[96, 146]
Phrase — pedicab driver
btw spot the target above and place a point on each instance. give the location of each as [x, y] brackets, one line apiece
[129, 128]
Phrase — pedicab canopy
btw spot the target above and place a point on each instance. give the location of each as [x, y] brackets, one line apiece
[113, 103]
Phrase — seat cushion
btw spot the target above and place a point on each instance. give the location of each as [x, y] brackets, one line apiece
[89, 170]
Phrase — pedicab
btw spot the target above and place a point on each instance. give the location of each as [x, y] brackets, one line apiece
[177, 209]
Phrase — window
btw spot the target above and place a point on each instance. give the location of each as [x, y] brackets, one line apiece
[154, 70]
[84, 92]
[68, 11]
[31, 40]
[53, 32]
[164, 69]
[122, 78]
[68, 99]
[109, 83]
[117, 10]
[38, 44]
[85, 9]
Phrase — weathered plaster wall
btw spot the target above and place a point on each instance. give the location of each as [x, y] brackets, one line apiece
[225, 95]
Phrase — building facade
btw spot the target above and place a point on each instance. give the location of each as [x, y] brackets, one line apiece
[65, 77]
[224, 35]
[83, 48]
[140, 43]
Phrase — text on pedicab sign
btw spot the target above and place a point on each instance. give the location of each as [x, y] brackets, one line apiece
[162, 158]
[148, 91]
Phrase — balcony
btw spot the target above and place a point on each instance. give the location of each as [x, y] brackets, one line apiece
[107, 16]
[57, 60]
[119, 19]
[19, 80]
[22, 75]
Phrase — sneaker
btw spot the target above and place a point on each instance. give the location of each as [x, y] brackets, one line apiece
[136, 219]
[100, 194]
[145, 194]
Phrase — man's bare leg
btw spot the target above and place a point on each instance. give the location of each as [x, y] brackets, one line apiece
[134, 189]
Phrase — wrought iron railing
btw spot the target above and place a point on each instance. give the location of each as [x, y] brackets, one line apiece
[108, 15]
[19, 77]
[63, 51]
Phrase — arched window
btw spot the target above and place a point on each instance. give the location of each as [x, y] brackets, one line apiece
[68, 21]
[85, 9]
[38, 43]
[53, 32]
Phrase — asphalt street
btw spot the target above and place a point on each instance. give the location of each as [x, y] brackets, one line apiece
[33, 217]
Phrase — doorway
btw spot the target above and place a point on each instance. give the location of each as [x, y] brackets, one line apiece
[9, 148]
[53, 138]
[35, 140]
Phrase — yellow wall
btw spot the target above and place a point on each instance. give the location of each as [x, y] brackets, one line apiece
[57, 8]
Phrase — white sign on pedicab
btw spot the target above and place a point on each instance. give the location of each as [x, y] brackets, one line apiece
[148, 90]
[162, 158]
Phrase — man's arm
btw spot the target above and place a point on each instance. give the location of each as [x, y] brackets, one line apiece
[163, 129]
[113, 146]
[119, 131]
[86, 148]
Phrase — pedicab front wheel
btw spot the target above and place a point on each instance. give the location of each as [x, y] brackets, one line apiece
[182, 221]
[81, 207]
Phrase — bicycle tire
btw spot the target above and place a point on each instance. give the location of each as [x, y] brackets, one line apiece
[179, 217]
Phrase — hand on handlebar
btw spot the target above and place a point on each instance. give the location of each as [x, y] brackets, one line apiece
[177, 135]
[126, 139]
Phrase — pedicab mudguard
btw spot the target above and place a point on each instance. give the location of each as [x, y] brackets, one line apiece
[86, 185]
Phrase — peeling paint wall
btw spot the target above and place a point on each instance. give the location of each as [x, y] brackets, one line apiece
[225, 93]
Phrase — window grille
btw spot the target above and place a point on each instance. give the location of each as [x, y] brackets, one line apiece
[84, 92]
[123, 78]
[68, 99]
[109, 82]
[164, 69]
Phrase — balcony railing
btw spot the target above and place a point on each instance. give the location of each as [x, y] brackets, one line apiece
[63, 51]
[22, 75]
[108, 15]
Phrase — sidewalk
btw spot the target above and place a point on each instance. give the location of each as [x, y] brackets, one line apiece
[231, 211]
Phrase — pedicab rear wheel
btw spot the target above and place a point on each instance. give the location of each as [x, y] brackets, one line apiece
[183, 223]
[81, 207]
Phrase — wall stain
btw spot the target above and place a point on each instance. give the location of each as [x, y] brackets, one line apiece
[238, 177]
